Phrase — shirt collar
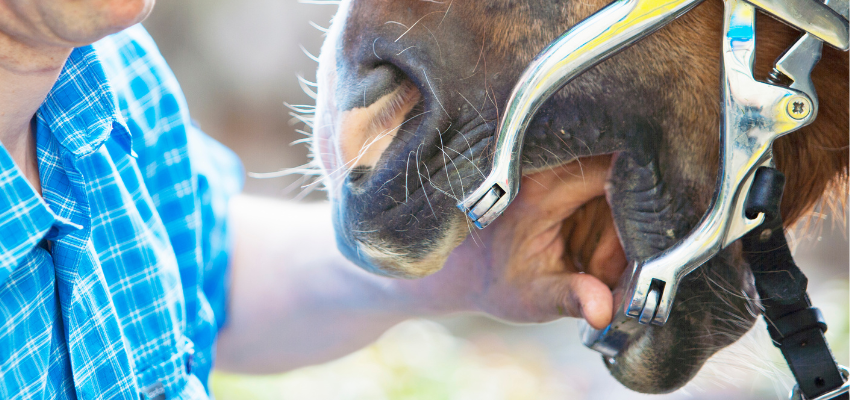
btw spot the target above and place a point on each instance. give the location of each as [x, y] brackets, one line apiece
[81, 110]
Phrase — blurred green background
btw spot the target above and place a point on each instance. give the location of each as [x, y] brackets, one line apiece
[237, 62]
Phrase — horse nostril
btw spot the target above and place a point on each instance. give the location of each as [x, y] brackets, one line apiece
[365, 133]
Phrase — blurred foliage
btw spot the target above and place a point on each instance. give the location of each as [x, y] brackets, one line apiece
[416, 360]
[423, 360]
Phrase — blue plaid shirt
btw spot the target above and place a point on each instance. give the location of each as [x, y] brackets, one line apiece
[112, 285]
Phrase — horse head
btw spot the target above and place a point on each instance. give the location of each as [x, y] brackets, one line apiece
[409, 98]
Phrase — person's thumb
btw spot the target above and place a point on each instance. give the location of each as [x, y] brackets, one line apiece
[575, 295]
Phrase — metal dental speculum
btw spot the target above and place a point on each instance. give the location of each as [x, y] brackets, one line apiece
[754, 114]
[601, 35]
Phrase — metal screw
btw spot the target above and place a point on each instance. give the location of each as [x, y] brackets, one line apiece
[799, 107]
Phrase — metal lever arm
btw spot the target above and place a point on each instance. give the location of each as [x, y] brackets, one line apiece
[616, 26]
[754, 115]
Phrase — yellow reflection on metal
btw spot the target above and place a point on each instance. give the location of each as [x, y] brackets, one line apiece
[643, 11]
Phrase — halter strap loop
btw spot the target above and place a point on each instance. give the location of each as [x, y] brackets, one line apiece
[795, 326]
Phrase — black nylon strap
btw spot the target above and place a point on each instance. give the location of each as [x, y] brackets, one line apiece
[795, 322]
[795, 326]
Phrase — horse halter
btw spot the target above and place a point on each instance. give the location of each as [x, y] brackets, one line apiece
[748, 189]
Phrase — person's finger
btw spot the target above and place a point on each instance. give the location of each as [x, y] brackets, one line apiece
[575, 295]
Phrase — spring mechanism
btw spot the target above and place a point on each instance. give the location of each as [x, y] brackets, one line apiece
[778, 78]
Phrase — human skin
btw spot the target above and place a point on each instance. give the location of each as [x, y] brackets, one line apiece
[36, 37]
[294, 299]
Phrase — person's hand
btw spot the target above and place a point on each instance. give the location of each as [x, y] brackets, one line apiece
[547, 256]
[294, 300]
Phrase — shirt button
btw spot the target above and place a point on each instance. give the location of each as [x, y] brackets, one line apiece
[189, 360]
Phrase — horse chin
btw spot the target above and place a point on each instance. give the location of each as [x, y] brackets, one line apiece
[663, 359]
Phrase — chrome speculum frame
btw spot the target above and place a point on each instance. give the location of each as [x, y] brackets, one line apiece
[754, 114]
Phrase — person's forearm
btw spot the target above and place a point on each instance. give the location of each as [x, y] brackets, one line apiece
[294, 300]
